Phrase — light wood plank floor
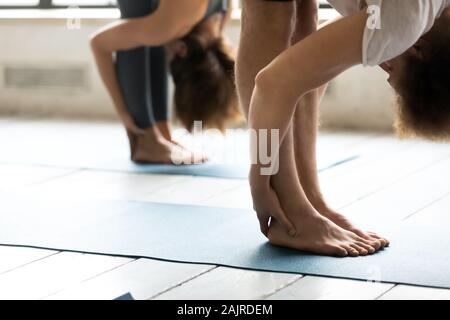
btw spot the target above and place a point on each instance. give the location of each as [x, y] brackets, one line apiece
[413, 175]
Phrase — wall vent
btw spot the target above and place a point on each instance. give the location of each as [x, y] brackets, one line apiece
[40, 77]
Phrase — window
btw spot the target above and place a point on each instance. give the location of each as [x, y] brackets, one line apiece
[323, 3]
[19, 3]
[87, 3]
[49, 4]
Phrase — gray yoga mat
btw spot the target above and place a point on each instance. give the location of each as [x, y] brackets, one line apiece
[419, 254]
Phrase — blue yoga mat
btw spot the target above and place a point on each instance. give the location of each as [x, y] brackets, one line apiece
[226, 171]
[93, 147]
[122, 164]
[125, 297]
[419, 254]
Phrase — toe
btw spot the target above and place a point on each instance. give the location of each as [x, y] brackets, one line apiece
[383, 242]
[361, 250]
[375, 244]
[366, 246]
[362, 234]
[340, 252]
[352, 252]
[372, 239]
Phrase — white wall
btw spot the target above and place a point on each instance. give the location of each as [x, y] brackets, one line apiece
[359, 98]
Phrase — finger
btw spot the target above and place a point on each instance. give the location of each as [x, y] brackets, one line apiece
[264, 227]
[263, 223]
[278, 213]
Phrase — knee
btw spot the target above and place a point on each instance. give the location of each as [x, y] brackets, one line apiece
[267, 81]
[264, 80]
[93, 41]
[271, 84]
[96, 42]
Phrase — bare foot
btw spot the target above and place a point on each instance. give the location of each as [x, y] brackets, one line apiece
[317, 234]
[164, 129]
[150, 149]
[166, 132]
[320, 205]
[345, 223]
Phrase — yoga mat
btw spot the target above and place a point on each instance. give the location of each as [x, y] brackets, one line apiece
[226, 171]
[125, 297]
[97, 147]
[109, 162]
[211, 169]
[419, 253]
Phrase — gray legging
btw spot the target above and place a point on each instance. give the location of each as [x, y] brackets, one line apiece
[142, 72]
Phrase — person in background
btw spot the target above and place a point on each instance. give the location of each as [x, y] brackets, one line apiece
[134, 56]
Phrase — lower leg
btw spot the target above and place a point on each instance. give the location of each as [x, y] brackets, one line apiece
[305, 137]
[159, 91]
[316, 233]
[260, 43]
[164, 129]
[134, 73]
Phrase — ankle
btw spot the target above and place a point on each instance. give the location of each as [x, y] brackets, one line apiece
[152, 135]
[318, 201]
[164, 129]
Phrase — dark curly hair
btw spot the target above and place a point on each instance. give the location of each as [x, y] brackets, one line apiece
[424, 90]
[204, 83]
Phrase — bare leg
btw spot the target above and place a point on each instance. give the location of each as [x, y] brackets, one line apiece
[317, 233]
[260, 43]
[305, 133]
[165, 130]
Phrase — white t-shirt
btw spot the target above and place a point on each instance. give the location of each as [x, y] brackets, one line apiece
[400, 25]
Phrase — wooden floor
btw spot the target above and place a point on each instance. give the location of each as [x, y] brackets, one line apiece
[411, 175]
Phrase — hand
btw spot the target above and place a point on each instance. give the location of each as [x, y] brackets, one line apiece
[130, 125]
[267, 205]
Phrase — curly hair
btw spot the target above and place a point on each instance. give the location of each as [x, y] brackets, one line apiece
[204, 83]
[423, 108]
